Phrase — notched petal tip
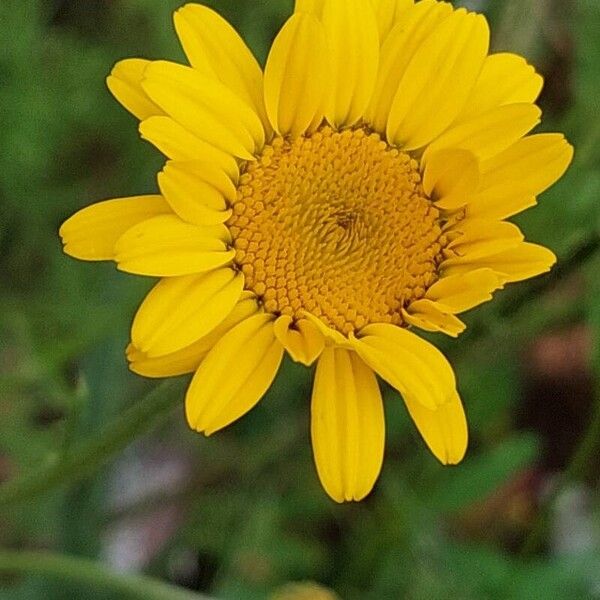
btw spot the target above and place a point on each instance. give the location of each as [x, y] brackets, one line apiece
[302, 340]
[451, 176]
[415, 367]
[430, 316]
[444, 430]
[347, 425]
[459, 293]
[92, 232]
[332, 336]
[297, 76]
[125, 84]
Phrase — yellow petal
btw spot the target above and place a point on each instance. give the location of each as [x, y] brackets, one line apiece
[536, 161]
[444, 430]
[504, 79]
[451, 178]
[438, 80]
[513, 178]
[515, 264]
[125, 84]
[302, 339]
[347, 425]
[91, 233]
[195, 191]
[398, 49]
[180, 310]
[176, 142]
[388, 12]
[314, 7]
[479, 238]
[166, 246]
[459, 293]
[490, 133]
[500, 202]
[297, 76]
[408, 363]
[215, 48]
[205, 107]
[353, 41]
[234, 376]
[189, 358]
[332, 336]
[430, 316]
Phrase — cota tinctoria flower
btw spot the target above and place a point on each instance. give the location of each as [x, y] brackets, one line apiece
[353, 192]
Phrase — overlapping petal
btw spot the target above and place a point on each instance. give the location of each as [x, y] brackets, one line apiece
[92, 232]
[179, 311]
[166, 246]
[297, 76]
[426, 381]
[234, 376]
[353, 42]
[444, 429]
[476, 238]
[302, 339]
[414, 367]
[511, 180]
[490, 133]
[205, 107]
[438, 80]
[504, 79]
[388, 13]
[453, 295]
[459, 293]
[430, 316]
[523, 261]
[198, 192]
[215, 48]
[331, 335]
[188, 359]
[451, 177]
[176, 142]
[125, 84]
[396, 53]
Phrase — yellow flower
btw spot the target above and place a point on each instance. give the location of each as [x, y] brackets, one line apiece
[354, 190]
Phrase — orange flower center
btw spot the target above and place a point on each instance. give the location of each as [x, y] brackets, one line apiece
[336, 224]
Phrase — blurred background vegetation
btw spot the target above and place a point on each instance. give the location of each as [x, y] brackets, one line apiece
[242, 514]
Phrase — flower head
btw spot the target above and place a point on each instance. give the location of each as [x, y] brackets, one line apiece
[356, 190]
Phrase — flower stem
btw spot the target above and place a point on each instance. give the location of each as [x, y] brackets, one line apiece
[91, 573]
[85, 458]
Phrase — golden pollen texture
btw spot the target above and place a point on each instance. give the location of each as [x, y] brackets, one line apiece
[336, 224]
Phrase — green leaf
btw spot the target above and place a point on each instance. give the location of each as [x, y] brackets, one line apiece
[479, 475]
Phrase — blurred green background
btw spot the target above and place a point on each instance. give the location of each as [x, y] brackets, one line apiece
[242, 514]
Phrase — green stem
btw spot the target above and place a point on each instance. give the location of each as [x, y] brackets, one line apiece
[84, 459]
[91, 573]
